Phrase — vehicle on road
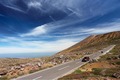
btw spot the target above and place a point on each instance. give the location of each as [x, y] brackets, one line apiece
[101, 51]
[85, 59]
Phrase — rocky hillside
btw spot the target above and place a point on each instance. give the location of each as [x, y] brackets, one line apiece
[105, 68]
[94, 41]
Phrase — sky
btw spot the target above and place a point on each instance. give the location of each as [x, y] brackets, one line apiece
[49, 26]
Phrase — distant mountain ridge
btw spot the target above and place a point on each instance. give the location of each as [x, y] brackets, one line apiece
[94, 40]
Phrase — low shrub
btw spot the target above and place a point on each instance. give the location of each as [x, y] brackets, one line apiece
[4, 78]
[118, 63]
[78, 71]
[97, 71]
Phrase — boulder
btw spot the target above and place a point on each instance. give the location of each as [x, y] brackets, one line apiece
[117, 74]
[3, 72]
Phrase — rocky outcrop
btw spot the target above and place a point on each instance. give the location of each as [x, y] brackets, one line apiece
[117, 75]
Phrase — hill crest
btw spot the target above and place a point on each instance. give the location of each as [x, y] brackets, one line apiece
[101, 39]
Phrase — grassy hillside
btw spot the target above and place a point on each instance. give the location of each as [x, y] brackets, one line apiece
[107, 67]
[94, 43]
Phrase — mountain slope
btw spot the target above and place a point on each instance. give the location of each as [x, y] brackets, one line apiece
[94, 41]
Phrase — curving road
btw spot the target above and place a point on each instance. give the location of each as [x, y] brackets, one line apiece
[60, 70]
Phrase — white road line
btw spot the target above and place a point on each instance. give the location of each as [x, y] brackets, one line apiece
[63, 68]
[37, 78]
[41, 70]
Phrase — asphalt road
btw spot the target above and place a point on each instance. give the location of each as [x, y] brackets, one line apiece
[60, 70]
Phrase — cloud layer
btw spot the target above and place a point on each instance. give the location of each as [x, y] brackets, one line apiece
[52, 25]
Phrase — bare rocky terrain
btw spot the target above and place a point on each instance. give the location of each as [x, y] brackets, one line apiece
[105, 68]
[15, 67]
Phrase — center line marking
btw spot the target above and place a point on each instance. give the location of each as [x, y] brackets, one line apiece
[63, 68]
[37, 78]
